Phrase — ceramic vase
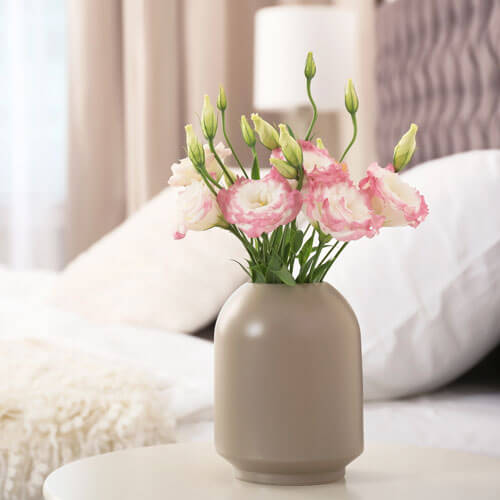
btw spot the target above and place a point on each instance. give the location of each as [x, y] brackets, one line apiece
[288, 384]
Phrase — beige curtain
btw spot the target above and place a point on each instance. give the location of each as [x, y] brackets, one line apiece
[138, 71]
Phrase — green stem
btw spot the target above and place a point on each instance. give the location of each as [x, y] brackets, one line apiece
[354, 134]
[300, 178]
[208, 179]
[321, 244]
[219, 161]
[332, 248]
[223, 113]
[330, 264]
[339, 252]
[248, 246]
[315, 110]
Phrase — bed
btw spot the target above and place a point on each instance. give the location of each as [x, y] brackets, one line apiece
[437, 66]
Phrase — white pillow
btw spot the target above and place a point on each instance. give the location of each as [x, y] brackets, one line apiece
[139, 274]
[428, 300]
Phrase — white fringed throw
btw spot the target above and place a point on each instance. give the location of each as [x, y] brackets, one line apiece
[58, 405]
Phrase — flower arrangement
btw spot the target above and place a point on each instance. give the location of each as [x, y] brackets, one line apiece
[261, 211]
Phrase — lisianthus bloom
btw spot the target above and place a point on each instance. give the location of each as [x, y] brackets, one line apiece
[197, 209]
[313, 157]
[398, 202]
[260, 206]
[337, 207]
[184, 173]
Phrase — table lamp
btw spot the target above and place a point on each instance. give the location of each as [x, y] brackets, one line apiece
[283, 37]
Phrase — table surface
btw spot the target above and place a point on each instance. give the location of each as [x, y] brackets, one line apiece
[195, 472]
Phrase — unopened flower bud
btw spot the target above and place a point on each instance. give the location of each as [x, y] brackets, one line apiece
[247, 132]
[351, 98]
[405, 148]
[221, 99]
[290, 147]
[310, 68]
[319, 143]
[196, 153]
[208, 119]
[284, 168]
[268, 135]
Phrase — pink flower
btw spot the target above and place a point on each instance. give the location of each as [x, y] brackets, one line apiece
[184, 173]
[197, 209]
[339, 209]
[391, 197]
[314, 157]
[260, 206]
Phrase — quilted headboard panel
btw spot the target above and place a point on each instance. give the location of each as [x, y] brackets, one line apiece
[438, 64]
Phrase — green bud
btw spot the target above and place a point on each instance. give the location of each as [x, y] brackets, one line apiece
[310, 69]
[268, 135]
[319, 143]
[351, 98]
[195, 150]
[247, 132]
[221, 99]
[405, 148]
[284, 168]
[290, 147]
[208, 119]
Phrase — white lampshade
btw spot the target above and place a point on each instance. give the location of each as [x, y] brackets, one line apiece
[283, 37]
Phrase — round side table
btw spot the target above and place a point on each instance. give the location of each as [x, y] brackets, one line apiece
[195, 471]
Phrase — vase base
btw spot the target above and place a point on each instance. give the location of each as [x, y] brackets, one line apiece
[298, 479]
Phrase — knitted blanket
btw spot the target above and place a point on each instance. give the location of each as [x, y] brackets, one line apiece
[58, 404]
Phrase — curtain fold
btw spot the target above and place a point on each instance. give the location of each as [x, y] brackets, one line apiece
[96, 180]
[152, 81]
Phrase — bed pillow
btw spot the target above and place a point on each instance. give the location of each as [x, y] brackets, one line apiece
[428, 300]
[138, 274]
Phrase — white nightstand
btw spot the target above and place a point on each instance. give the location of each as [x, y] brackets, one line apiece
[196, 472]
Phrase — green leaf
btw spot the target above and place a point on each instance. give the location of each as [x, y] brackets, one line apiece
[285, 276]
[290, 131]
[302, 278]
[273, 265]
[276, 236]
[275, 262]
[243, 267]
[306, 250]
[297, 241]
[286, 252]
[320, 271]
[258, 276]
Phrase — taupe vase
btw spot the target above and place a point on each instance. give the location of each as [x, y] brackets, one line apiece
[288, 384]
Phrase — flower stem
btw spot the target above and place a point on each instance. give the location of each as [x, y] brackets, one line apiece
[208, 180]
[332, 248]
[219, 161]
[315, 110]
[354, 134]
[223, 113]
[330, 264]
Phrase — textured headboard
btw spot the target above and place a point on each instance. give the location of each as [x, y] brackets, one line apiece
[438, 64]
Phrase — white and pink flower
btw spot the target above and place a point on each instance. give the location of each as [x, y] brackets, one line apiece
[260, 206]
[313, 157]
[399, 203]
[197, 209]
[332, 202]
[184, 173]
